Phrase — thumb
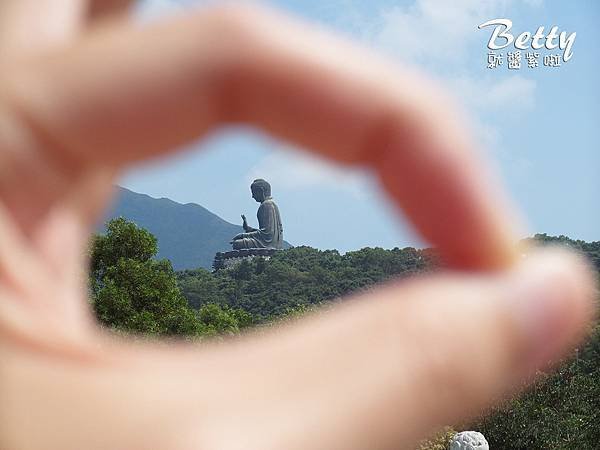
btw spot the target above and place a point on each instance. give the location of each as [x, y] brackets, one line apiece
[384, 369]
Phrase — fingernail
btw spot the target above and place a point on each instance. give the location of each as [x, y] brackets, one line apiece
[553, 292]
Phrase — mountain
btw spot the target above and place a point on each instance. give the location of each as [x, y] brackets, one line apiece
[189, 235]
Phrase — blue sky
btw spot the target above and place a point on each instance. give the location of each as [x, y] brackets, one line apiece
[540, 126]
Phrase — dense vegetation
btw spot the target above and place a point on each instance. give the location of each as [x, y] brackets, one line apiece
[297, 277]
[133, 292]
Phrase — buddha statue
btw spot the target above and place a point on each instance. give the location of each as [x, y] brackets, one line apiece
[269, 233]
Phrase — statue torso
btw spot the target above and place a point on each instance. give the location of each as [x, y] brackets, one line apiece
[269, 223]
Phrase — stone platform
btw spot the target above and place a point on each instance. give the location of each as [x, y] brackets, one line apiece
[225, 260]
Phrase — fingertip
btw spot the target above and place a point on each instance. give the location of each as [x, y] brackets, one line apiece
[552, 297]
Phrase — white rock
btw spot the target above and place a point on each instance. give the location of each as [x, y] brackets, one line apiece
[469, 440]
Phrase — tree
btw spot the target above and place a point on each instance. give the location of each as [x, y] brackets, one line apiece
[123, 239]
[143, 296]
[133, 292]
[298, 277]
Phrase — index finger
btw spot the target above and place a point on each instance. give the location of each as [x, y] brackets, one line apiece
[127, 93]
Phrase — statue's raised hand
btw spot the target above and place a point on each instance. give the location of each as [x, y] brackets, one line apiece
[377, 371]
[244, 223]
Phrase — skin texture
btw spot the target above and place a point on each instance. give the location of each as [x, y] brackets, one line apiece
[95, 93]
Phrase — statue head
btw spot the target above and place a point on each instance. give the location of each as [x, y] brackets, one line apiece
[261, 190]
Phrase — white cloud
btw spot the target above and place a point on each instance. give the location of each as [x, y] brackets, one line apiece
[511, 94]
[429, 29]
[507, 98]
[485, 134]
[436, 31]
[442, 36]
[291, 169]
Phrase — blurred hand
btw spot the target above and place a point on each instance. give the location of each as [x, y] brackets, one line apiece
[85, 93]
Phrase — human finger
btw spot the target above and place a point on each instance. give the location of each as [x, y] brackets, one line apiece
[225, 65]
[388, 368]
[20, 268]
[31, 26]
[61, 242]
[380, 371]
[28, 29]
[103, 9]
[43, 279]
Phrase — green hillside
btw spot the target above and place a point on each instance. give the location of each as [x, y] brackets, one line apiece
[298, 278]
